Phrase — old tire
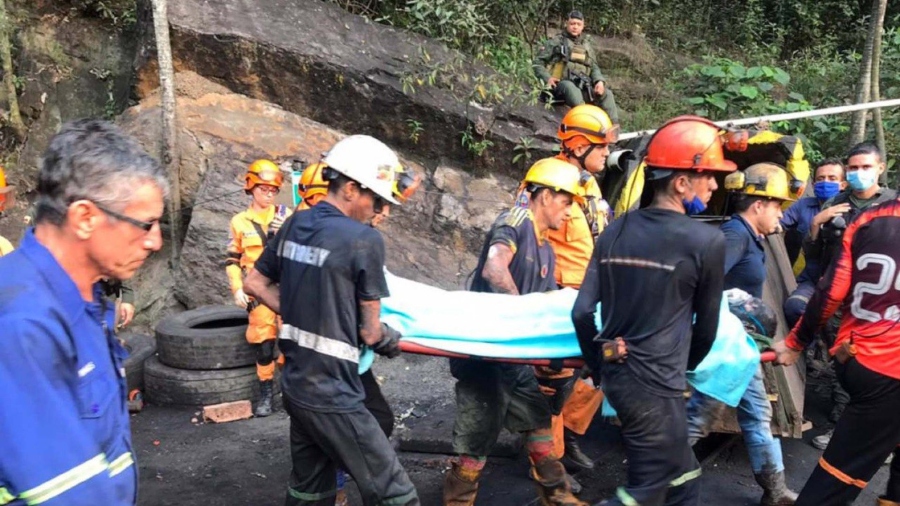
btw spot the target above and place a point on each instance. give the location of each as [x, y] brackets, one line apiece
[140, 347]
[206, 338]
[164, 385]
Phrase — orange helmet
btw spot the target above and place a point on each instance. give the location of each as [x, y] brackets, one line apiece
[312, 183]
[263, 172]
[406, 183]
[587, 124]
[688, 143]
[7, 193]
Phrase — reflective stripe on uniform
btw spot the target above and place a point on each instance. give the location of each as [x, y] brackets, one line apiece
[65, 481]
[121, 463]
[304, 496]
[626, 498]
[686, 477]
[840, 475]
[320, 344]
[5, 496]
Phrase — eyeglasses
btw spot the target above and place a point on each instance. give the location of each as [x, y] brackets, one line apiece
[268, 190]
[146, 226]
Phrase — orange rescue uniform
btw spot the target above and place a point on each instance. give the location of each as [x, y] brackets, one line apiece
[248, 237]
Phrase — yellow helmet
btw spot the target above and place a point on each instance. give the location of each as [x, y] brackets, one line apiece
[765, 179]
[7, 192]
[263, 172]
[557, 175]
[313, 186]
[587, 124]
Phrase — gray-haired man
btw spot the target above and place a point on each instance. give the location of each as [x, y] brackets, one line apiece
[66, 437]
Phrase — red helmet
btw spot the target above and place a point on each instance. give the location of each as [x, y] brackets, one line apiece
[689, 143]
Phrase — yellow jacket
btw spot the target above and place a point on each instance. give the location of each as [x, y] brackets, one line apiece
[6, 247]
[573, 243]
[247, 240]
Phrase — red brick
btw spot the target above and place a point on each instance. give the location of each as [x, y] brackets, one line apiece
[227, 412]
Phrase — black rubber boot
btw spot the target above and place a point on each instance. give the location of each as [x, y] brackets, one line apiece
[776, 492]
[574, 459]
[264, 407]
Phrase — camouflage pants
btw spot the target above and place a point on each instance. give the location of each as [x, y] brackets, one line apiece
[569, 92]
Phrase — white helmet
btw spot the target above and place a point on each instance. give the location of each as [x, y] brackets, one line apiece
[367, 161]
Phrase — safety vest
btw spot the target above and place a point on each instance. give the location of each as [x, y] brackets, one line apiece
[572, 57]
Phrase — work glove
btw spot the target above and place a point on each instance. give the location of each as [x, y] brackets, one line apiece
[389, 346]
[241, 299]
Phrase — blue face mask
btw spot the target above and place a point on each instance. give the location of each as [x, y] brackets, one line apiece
[862, 180]
[824, 190]
[693, 206]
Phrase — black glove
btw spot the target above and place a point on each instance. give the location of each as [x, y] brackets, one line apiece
[389, 346]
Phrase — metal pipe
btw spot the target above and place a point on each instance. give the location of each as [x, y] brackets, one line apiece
[785, 116]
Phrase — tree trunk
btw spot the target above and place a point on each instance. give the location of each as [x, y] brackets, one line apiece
[878, 17]
[9, 78]
[169, 156]
[864, 84]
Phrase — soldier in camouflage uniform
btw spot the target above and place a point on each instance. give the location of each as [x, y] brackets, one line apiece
[567, 64]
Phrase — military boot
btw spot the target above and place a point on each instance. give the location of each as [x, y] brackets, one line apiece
[885, 502]
[775, 491]
[553, 488]
[574, 459]
[264, 407]
[460, 486]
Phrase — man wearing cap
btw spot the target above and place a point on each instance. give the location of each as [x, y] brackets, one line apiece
[567, 65]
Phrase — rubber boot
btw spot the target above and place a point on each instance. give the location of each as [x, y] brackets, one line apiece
[264, 407]
[460, 486]
[885, 502]
[775, 491]
[553, 488]
[574, 459]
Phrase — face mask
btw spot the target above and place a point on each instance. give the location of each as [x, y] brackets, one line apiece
[861, 180]
[693, 206]
[824, 190]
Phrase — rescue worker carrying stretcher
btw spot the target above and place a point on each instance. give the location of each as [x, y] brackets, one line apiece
[758, 193]
[567, 66]
[312, 190]
[862, 281]
[324, 273]
[585, 135]
[654, 270]
[250, 231]
[490, 396]
[7, 200]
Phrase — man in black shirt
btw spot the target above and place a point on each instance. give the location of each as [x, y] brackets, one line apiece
[653, 270]
[324, 273]
[516, 259]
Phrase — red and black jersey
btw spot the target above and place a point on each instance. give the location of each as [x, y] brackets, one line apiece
[864, 282]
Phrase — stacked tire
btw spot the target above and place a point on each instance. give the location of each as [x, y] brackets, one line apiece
[203, 358]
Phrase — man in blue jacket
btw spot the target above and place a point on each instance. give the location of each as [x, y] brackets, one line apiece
[66, 436]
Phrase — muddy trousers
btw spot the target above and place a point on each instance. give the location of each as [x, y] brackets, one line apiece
[322, 442]
[868, 431]
[662, 469]
[262, 329]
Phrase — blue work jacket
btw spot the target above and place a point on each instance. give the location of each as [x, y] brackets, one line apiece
[63, 414]
[745, 257]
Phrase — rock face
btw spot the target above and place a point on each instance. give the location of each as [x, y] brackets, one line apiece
[314, 59]
[434, 238]
[72, 67]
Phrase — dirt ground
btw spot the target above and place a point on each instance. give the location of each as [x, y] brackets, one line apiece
[248, 462]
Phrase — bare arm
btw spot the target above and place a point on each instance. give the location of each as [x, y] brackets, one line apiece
[496, 269]
[263, 289]
[370, 321]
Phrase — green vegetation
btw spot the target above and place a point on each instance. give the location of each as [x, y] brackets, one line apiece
[717, 58]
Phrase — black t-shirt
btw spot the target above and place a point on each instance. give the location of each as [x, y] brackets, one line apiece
[533, 261]
[325, 263]
[653, 269]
